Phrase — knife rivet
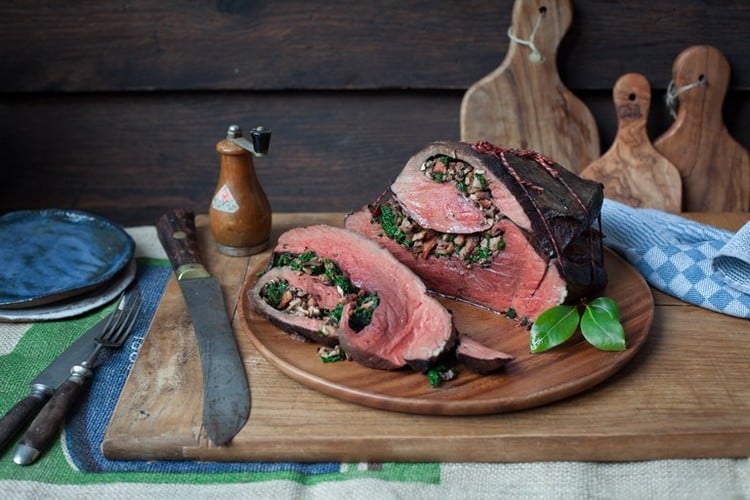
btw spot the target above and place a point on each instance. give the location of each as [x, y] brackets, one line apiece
[179, 235]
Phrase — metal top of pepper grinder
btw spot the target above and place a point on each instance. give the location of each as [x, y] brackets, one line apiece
[261, 137]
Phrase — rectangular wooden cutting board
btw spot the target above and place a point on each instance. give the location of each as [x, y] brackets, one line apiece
[684, 395]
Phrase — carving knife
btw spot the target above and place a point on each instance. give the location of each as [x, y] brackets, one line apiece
[226, 394]
[45, 384]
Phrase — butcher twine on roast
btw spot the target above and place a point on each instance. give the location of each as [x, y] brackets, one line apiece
[335, 286]
[508, 230]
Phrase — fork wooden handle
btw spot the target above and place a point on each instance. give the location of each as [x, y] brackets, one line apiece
[45, 428]
[18, 416]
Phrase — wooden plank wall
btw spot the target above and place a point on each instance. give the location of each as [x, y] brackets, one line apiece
[116, 107]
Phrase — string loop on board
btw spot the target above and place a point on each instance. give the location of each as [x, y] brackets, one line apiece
[672, 96]
[535, 55]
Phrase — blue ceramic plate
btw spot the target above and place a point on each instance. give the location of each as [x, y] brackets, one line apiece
[75, 305]
[50, 255]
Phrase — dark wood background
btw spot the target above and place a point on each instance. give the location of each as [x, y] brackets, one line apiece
[116, 107]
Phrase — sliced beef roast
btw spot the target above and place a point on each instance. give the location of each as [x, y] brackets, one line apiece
[479, 357]
[298, 302]
[505, 229]
[333, 285]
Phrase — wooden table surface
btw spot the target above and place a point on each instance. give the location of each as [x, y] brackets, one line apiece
[684, 395]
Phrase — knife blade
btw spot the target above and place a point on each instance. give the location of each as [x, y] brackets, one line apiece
[226, 394]
[45, 384]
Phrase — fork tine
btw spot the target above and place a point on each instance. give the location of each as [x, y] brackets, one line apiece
[114, 318]
[121, 320]
[126, 324]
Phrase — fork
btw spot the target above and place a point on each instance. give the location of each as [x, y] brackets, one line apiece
[45, 427]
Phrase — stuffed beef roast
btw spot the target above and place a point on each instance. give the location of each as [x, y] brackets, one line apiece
[337, 287]
[505, 229]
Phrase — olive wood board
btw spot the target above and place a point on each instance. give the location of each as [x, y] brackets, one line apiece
[632, 170]
[684, 395]
[523, 103]
[714, 167]
[522, 383]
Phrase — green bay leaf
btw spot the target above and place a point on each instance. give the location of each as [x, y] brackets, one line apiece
[602, 329]
[606, 305]
[553, 327]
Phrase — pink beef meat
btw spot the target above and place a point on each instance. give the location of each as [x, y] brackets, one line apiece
[437, 206]
[479, 357]
[408, 326]
[324, 295]
[546, 217]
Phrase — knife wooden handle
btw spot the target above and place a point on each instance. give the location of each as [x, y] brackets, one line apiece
[18, 416]
[177, 234]
[45, 428]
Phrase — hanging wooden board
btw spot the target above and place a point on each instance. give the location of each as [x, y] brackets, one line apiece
[632, 170]
[523, 103]
[715, 168]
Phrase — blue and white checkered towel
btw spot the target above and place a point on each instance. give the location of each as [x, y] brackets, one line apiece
[699, 264]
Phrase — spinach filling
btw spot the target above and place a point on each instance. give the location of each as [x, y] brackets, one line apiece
[473, 249]
[280, 295]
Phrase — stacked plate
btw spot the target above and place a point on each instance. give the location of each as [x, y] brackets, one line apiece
[60, 263]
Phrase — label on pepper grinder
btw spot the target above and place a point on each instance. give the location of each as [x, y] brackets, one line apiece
[224, 201]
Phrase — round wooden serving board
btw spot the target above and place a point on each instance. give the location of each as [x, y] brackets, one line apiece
[529, 380]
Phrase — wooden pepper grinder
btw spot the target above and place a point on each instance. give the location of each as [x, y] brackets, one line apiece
[240, 214]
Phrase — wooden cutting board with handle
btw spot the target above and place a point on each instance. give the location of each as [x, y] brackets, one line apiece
[523, 103]
[666, 403]
[632, 170]
[715, 168]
